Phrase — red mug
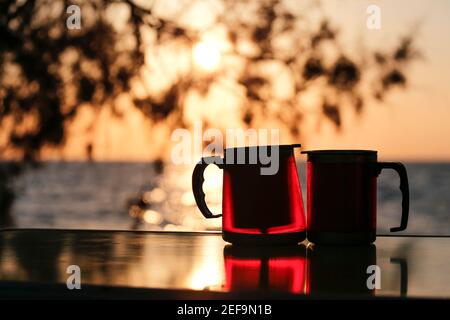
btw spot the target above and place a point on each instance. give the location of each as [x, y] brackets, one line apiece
[342, 196]
[257, 208]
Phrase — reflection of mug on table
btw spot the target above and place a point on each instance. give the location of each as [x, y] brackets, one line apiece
[340, 269]
[281, 269]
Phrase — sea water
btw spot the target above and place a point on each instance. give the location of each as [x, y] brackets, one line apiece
[97, 195]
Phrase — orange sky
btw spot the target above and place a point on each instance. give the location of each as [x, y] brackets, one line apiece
[411, 124]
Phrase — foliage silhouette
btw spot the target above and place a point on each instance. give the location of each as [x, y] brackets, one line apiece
[38, 80]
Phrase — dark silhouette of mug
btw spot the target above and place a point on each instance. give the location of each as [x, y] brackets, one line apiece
[342, 196]
[340, 270]
[257, 208]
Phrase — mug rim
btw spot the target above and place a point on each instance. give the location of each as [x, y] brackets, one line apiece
[341, 156]
[280, 146]
[340, 152]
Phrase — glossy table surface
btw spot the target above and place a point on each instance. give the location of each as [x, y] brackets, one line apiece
[122, 264]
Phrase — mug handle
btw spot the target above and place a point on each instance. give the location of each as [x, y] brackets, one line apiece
[404, 188]
[197, 184]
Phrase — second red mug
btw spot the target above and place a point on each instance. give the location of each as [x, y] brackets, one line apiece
[342, 196]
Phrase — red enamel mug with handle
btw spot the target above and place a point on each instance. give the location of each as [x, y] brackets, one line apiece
[257, 208]
[342, 196]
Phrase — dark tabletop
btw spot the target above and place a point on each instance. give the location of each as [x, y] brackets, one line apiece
[122, 264]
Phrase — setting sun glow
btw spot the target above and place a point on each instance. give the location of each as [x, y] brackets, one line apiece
[206, 55]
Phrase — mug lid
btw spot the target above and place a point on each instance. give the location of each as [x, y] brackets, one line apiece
[334, 156]
[252, 154]
[280, 146]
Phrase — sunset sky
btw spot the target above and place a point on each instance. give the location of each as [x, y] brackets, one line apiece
[411, 124]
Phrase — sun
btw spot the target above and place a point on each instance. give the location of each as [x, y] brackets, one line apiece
[207, 55]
